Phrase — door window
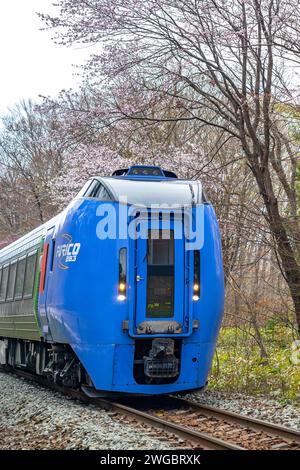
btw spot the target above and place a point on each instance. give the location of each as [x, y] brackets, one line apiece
[160, 285]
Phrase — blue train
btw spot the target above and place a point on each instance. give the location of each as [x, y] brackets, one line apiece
[114, 295]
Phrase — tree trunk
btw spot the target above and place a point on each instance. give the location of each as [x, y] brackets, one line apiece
[287, 256]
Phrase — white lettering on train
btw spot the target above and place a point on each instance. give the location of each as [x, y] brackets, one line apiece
[70, 251]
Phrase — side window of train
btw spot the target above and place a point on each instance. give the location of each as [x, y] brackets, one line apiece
[4, 279]
[52, 255]
[204, 196]
[97, 190]
[103, 194]
[93, 188]
[11, 281]
[20, 278]
[85, 189]
[90, 188]
[30, 275]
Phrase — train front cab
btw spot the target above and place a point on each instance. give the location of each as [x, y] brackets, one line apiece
[164, 292]
[146, 322]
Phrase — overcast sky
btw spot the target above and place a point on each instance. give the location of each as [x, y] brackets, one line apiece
[31, 64]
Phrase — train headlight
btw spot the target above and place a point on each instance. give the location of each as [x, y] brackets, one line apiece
[122, 287]
[196, 286]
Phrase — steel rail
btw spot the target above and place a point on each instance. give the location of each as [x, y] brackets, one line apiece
[202, 439]
[246, 421]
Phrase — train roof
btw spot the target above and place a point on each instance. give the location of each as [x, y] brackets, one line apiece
[150, 192]
[147, 185]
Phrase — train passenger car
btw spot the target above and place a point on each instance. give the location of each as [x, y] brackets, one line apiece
[111, 295]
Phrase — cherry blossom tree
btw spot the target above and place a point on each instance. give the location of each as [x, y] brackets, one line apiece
[79, 165]
[84, 161]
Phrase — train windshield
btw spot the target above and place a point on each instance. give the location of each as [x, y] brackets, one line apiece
[160, 273]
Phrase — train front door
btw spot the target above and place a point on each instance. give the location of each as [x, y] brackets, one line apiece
[160, 281]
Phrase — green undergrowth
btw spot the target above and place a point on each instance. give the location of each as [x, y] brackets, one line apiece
[238, 365]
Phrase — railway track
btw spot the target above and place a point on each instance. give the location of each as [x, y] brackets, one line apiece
[201, 427]
[246, 432]
[253, 423]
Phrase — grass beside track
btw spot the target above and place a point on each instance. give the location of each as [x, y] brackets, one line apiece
[238, 364]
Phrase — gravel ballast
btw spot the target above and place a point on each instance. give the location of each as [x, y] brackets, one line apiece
[32, 417]
[266, 409]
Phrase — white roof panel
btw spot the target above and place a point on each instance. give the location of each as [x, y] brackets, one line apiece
[147, 192]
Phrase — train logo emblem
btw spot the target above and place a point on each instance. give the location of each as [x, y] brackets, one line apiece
[67, 252]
